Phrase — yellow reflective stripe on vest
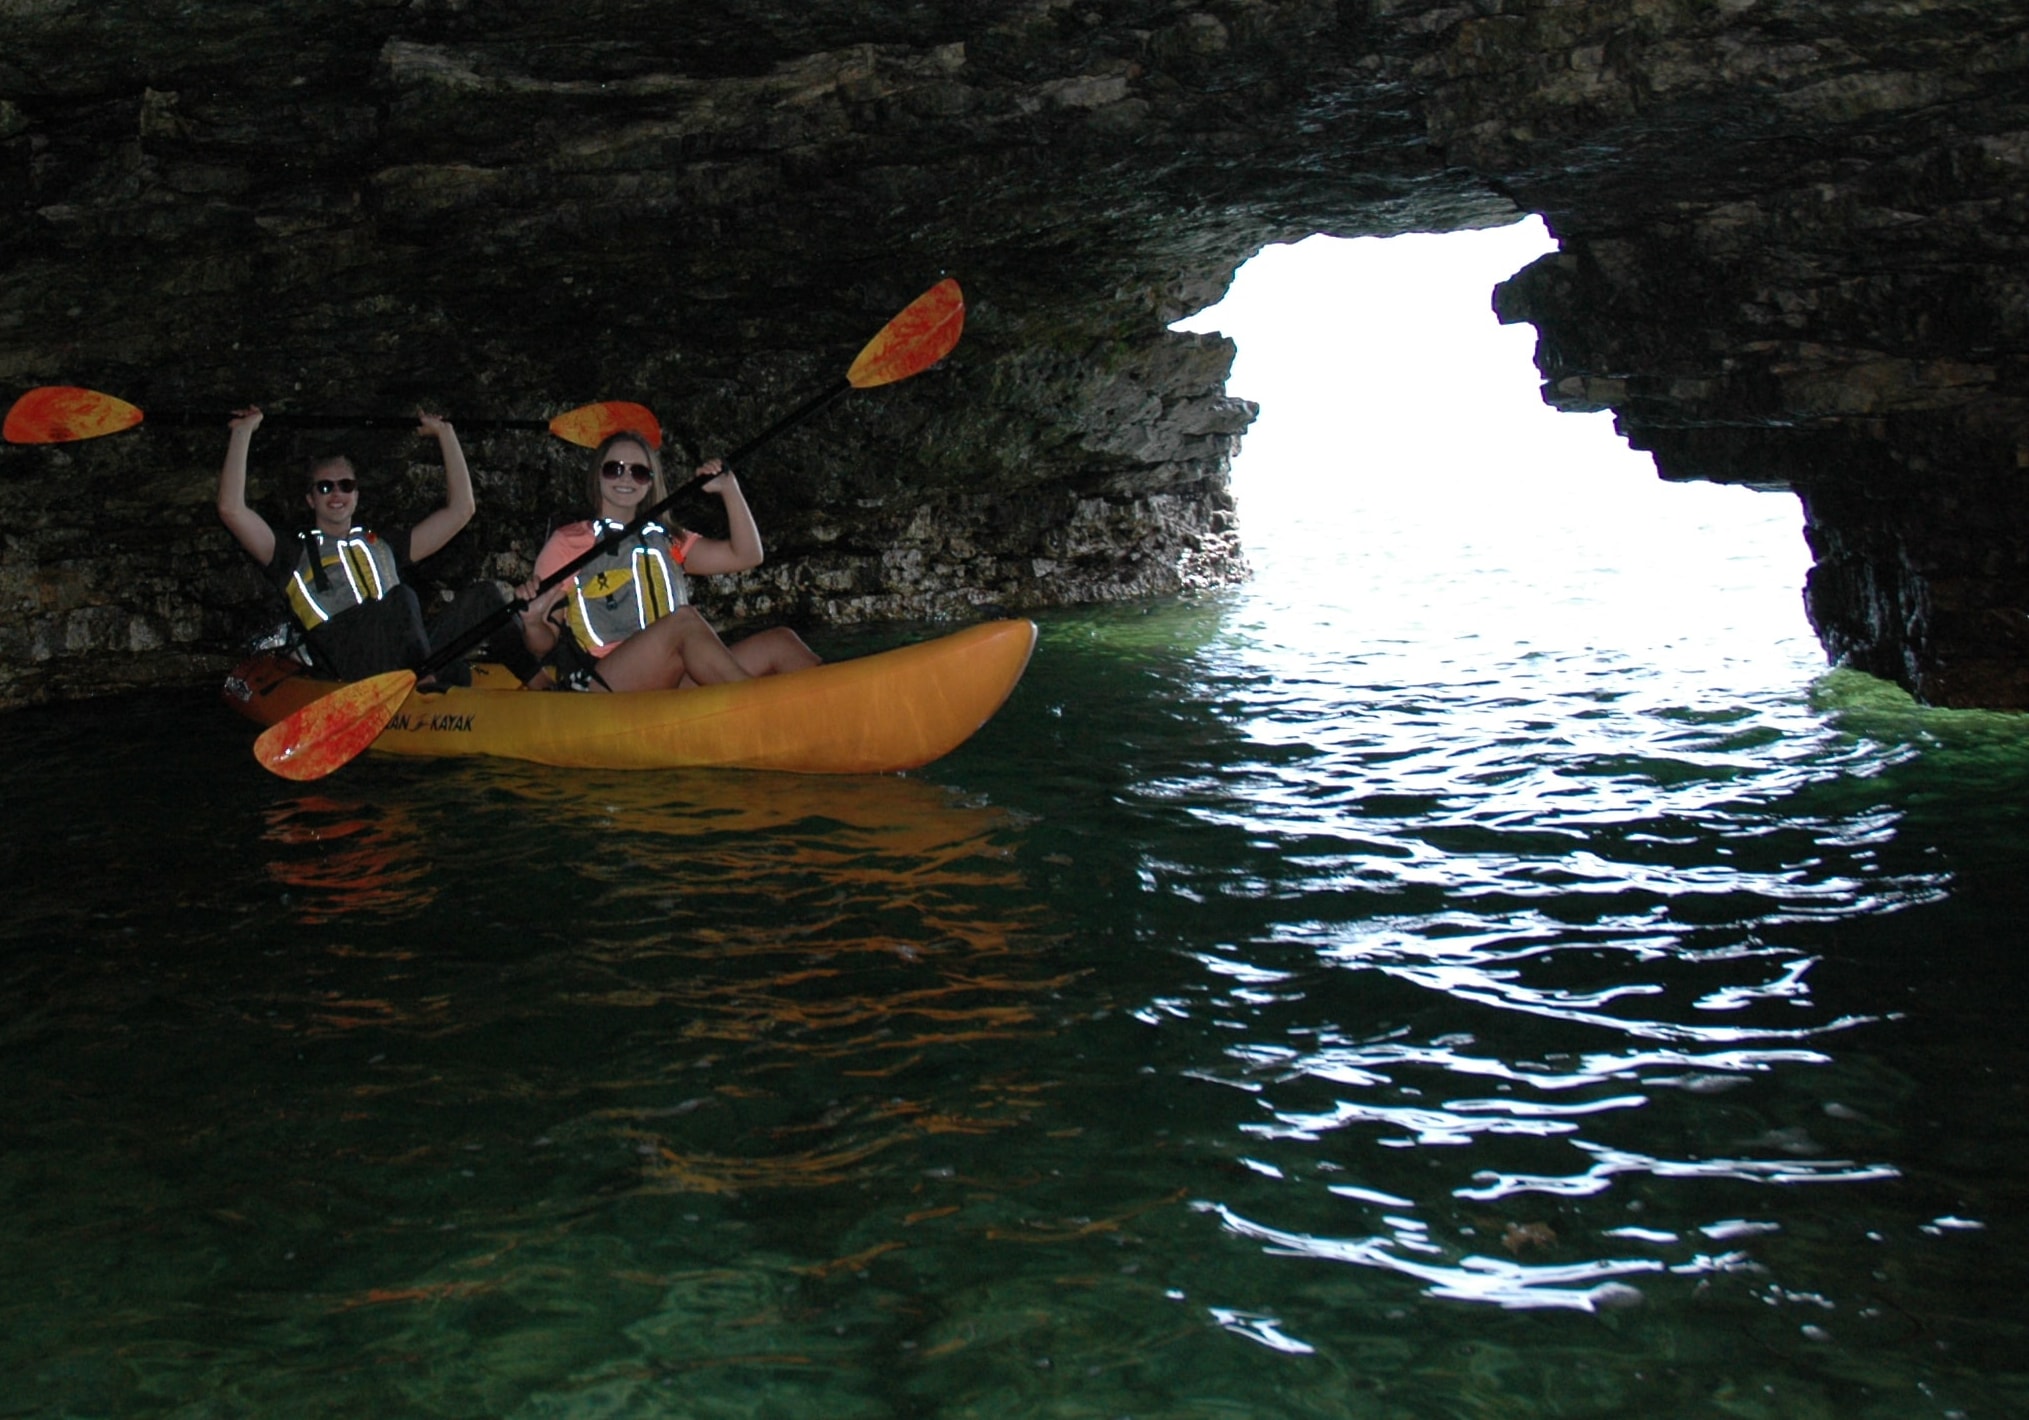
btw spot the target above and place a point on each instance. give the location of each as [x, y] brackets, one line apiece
[659, 595]
[303, 602]
[581, 611]
[361, 571]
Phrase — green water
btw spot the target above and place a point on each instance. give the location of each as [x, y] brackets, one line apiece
[1232, 1029]
[1483, 968]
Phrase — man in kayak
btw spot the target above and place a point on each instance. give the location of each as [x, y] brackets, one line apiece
[346, 585]
[624, 620]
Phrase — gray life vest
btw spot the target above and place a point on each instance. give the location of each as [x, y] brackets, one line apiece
[627, 586]
[336, 574]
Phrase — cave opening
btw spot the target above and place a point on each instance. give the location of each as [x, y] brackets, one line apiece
[1406, 479]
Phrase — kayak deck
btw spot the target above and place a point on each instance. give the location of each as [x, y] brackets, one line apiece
[876, 714]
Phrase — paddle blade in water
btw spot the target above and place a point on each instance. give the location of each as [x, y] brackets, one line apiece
[920, 335]
[330, 732]
[59, 414]
[588, 424]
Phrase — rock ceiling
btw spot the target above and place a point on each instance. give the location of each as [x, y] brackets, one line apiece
[1793, 254]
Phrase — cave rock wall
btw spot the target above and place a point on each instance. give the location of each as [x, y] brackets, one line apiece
[1792, 256]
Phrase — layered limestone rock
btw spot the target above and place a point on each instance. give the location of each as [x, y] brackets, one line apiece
[1822, 284]
[1792, 256]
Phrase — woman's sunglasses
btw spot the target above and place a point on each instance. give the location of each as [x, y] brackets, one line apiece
[327, 486]
[613, 468]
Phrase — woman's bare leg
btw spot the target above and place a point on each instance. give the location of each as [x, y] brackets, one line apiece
[677, 647]
[777, 651]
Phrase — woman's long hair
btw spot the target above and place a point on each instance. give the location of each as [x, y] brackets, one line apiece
[656, 491]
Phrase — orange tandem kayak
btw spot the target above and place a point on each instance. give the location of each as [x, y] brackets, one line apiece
[874, 714]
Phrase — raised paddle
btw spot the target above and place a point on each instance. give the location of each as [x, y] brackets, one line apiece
[329, 732]
[63, 414]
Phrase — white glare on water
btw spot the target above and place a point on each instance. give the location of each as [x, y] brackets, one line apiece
[1405, 470]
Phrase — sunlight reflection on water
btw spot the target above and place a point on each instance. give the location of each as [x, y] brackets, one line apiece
[1493, 665]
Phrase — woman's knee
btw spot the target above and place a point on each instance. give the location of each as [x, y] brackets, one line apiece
[776, 651]
[674, 628]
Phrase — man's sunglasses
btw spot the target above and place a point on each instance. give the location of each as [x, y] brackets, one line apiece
[327, 486]
[613, 468]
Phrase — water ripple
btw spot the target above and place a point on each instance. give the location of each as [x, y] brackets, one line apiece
[1473, 1277]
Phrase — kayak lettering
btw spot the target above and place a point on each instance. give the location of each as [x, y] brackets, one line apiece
[458, 724]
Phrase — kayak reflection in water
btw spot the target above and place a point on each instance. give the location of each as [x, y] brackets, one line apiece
[346, 585]
[624, 621]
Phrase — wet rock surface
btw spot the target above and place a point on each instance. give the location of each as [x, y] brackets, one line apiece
[1793, 255]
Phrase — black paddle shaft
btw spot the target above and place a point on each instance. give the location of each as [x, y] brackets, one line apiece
[437, 660]
[183, 418]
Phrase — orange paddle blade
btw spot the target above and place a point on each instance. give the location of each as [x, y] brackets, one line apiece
[590, 423]
[920, 335]
[58, 414]
[330, 732]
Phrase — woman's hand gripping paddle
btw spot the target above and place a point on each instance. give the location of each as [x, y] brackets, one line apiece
[328, 733]
[65, 414]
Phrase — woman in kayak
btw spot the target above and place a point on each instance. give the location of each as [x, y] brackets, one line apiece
[347, 586]
[624, 620]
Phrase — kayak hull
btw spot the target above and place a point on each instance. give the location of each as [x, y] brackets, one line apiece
[875, 714]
